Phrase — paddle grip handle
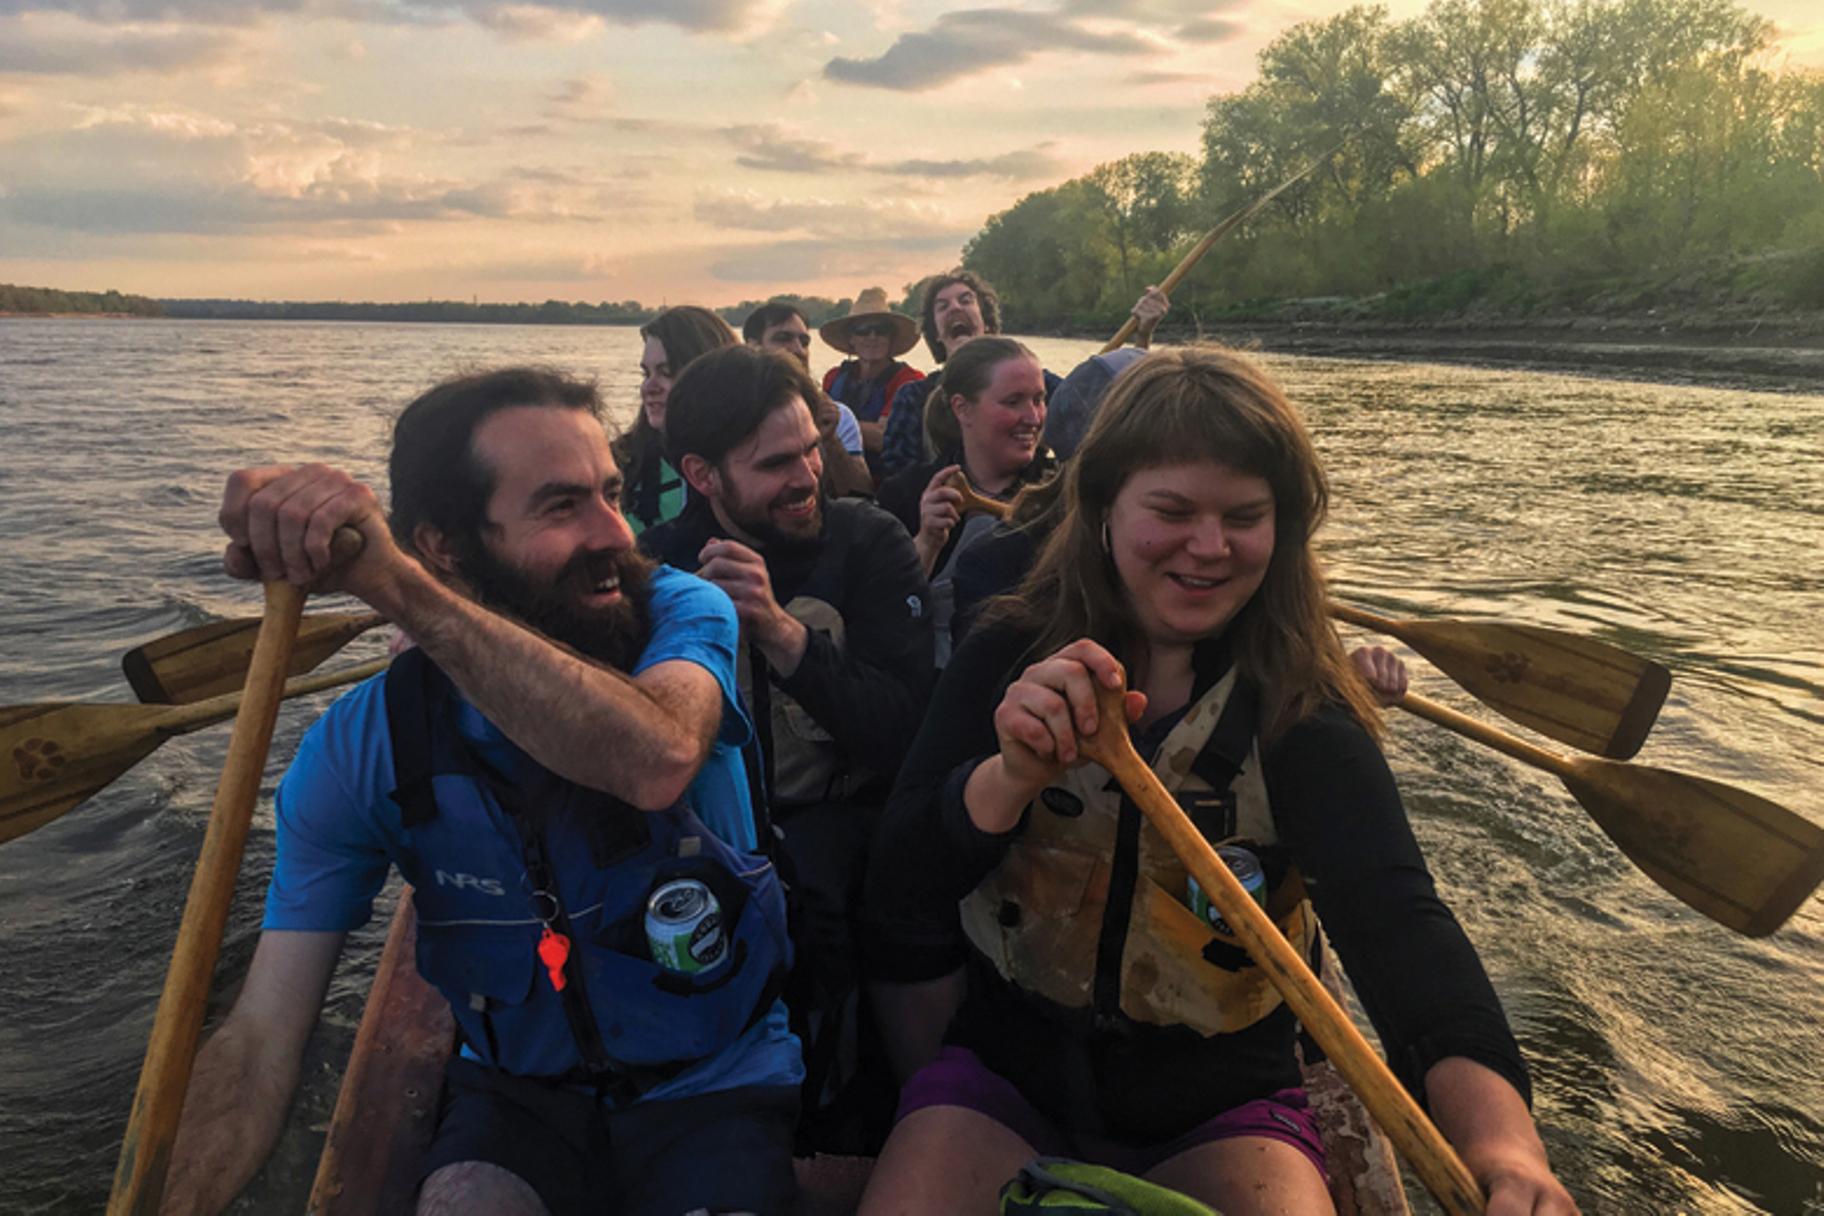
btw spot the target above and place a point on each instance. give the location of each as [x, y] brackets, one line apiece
[145, 1151]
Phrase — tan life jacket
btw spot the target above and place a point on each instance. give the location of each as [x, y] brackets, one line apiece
[805, 764]
[1038, 918]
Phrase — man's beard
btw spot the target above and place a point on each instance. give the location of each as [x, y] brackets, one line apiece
[614, 635]
[758, 523]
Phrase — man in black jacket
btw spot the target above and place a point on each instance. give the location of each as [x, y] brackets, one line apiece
[837, 659]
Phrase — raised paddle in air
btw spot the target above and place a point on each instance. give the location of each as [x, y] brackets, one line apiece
[1743, 861]
[1222, 229]
[1596, 697]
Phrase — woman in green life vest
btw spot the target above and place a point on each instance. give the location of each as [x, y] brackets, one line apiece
[1106, 1019]
[652, 492]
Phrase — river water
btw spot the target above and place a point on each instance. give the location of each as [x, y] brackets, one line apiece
[1679, 1068]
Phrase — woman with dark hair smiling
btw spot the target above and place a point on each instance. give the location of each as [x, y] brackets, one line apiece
[653, 492]
[984, 423]
[1109, 1015]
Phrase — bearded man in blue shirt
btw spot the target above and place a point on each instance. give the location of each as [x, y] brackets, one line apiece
[563, 741]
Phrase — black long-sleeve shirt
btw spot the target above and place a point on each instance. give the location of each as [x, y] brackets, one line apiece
[1339, 815]
[870, 692]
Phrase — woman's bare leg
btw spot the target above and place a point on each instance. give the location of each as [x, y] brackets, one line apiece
[946, 1159]
[1248, 1176]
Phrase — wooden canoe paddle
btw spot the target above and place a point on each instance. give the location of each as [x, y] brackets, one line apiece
[1741, 860]
[56, 755]
[145, 1151]
[211, 659]
[977, 502]
[1189, 260]
[1414, 1135]
[1596, 697]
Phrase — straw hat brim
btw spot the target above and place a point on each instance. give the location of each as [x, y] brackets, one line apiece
[903, 338]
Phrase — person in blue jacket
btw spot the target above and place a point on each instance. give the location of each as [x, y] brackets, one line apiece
[564, 740]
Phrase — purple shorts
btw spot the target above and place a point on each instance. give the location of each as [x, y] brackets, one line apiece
[959, 1078]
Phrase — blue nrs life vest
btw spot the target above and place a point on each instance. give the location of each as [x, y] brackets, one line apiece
[495, 864]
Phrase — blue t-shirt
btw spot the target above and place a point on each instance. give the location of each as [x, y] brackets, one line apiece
[336, 821]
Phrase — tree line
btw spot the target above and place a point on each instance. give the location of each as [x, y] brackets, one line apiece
[34, 300]
[1524, 154]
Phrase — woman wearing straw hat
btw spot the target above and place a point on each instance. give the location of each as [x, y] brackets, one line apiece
[874, 337]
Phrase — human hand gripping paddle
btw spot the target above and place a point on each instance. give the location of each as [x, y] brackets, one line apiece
[145, 1151]
[1412, 1133]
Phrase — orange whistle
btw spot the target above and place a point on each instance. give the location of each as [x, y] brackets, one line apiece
[553, 952]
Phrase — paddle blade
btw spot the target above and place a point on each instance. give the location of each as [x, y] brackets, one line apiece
[1743, 861]
[55, 756]
[1596, 697]
[212, 659]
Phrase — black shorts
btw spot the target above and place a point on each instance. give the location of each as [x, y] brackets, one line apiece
[728, 1152]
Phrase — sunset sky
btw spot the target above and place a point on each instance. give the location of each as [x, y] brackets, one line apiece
[701, 150]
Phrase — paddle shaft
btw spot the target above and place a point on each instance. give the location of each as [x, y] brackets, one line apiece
[1482, 732]
[1190, 260]
[184, 719]
[1414, 1135]
[145, 1152]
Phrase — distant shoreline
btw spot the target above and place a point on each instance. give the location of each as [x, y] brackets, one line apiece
[1783, 354]
[81, 316]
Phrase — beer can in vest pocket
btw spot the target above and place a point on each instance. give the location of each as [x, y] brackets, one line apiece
[684, 928]
[1246, 868]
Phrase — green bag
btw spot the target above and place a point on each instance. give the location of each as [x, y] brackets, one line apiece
[1056, 1186]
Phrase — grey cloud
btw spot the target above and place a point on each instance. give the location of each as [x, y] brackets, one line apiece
[770, 146]
[1149, 12]
[826, 218]
[709, 16]
[1146, 78]
[28, 51]
[1209, 29]
[195, 210]
[963, 43]
[238, 209]
[778, 261]
[1022, 165]
[773, 147]
[580, 99]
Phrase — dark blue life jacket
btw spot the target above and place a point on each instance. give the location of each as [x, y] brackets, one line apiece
[499, 860]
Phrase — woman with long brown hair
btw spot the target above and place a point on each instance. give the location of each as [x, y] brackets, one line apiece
[653, 492]
[1109, 1015]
